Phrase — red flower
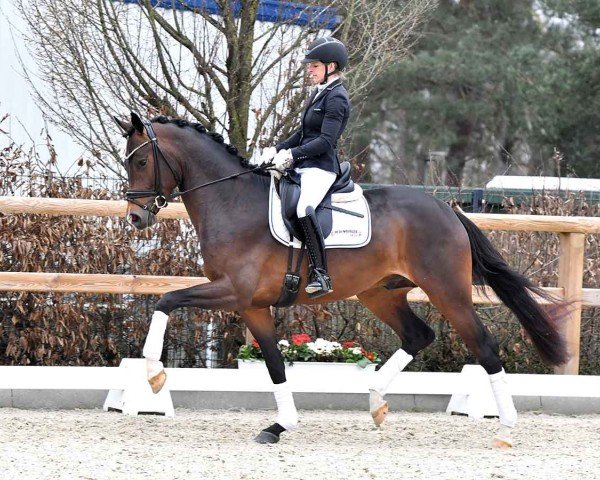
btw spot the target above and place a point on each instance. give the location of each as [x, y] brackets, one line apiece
[255, 343]
[348, 345]
[300, 339]
[371, 356]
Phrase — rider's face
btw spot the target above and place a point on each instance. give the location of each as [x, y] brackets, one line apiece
[316, 71]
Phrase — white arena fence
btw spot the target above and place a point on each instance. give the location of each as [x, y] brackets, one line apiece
[128, 390]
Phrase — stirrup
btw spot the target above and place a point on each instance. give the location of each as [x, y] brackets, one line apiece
[320, 285]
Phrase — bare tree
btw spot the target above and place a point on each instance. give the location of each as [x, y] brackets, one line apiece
[230, 72]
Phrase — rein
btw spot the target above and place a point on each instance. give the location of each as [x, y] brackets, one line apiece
[263, 166]
[161, 201]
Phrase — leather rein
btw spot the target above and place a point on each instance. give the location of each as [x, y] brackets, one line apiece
[159, 200]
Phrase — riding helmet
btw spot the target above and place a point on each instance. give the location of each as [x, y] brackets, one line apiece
[327, 50]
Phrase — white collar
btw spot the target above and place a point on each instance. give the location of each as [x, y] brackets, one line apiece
[332, 79]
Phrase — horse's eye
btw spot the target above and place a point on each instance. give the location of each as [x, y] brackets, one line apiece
[143, 162]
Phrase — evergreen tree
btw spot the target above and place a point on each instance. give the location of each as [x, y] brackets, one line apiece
[500, 83]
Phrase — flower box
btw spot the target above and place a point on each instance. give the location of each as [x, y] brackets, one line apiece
[313, 377]
[303, 354]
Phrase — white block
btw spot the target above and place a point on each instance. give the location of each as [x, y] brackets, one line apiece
[479, 402]
[137, 396]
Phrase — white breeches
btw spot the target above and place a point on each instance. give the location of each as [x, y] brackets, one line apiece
[314, 184]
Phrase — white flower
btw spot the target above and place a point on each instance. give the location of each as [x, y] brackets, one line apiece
[356, 350]
[284, 343]
[322, 346]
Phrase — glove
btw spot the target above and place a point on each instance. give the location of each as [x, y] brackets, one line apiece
[283, 160]
[267, 155]
[276, 174]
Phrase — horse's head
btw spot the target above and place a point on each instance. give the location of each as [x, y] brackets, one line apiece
[151, 174]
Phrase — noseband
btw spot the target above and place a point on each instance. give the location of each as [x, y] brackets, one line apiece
[159, 199]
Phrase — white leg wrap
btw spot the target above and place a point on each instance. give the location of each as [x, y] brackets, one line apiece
[385, 375]
[153, 367]
[504, 401]
[156, 335]
[375, 400]
[287, 415]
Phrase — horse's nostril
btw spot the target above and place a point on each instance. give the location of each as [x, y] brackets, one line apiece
[134, 219]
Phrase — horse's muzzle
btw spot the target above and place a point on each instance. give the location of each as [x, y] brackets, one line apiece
[141, 218]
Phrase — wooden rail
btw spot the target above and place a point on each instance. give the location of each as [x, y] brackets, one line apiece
[159, 285]
[572, 232]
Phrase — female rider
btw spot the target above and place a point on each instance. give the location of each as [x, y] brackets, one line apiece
[311, 150]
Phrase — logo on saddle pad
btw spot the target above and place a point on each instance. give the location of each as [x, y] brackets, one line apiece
[350, 220]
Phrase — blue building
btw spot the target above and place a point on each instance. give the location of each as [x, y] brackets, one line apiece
[268, 11]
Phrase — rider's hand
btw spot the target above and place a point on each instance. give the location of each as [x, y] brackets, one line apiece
[275, 173]
[283, 160]
[267, 155]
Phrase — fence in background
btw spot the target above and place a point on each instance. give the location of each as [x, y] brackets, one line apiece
[572, 231]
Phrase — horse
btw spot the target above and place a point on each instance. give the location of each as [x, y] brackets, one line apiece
[417, 241]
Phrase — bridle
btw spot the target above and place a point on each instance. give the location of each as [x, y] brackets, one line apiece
[160, 200]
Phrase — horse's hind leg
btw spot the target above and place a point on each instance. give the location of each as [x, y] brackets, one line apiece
[391, 306]
[454, 301]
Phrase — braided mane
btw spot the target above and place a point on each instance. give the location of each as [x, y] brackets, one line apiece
[217, 137]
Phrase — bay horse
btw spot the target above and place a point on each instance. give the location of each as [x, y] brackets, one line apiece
[417, 241]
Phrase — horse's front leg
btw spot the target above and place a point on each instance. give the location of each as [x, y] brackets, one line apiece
[261, 325]
[214, 295]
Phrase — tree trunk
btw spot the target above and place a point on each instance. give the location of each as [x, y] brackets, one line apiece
[239, 72]
[457, 153]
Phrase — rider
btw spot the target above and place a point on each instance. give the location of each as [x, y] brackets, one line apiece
[311, 150]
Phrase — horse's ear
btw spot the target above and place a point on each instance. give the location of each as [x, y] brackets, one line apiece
[136, 121]
[125, 126]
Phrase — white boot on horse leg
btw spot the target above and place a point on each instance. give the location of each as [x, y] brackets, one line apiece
[382, 380]
[287, 415]
[153, 349]
[506, 410]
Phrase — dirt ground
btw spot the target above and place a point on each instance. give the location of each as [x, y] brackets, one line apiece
[92, 444]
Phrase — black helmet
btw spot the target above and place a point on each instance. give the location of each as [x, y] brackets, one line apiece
[327, 50]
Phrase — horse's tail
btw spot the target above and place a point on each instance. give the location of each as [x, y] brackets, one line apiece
[514, 289]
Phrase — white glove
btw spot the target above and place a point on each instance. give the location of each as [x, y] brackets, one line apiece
[275, 173]
[267, 155]
[283, 160]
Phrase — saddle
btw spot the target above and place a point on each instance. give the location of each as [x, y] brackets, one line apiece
[343, 215]
[288, 189]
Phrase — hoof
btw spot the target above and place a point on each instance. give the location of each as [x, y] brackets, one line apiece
[157, 382]
[266, 437]
[502, 443]
[503, 439]
[380, 413]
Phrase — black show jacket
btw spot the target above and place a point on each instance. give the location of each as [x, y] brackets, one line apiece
[323, 121]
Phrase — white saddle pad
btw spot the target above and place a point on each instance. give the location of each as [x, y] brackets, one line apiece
[348, 231]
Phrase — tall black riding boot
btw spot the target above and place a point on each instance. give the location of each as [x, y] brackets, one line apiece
[319, 282]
